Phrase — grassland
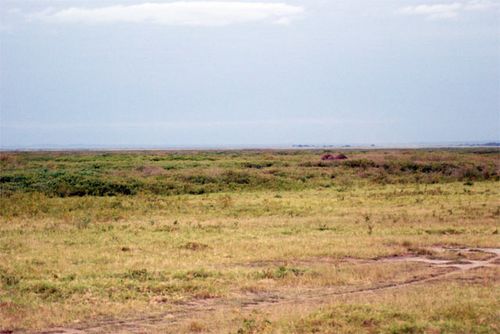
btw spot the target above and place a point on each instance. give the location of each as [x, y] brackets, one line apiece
[248, 241]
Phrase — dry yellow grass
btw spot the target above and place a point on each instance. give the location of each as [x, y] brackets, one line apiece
[77, 261]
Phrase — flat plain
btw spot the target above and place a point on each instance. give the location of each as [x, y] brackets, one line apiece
[250, 241]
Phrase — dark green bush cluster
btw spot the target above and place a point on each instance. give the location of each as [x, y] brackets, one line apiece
[65, 174]
[258, 165]
[64, 184]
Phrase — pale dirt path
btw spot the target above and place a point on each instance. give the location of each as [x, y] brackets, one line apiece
[291, 296]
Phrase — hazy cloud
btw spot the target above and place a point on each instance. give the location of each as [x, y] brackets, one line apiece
[197, 13]
[203, 124]
[448, 10]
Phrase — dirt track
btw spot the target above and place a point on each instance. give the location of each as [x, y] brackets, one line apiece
[442, 269]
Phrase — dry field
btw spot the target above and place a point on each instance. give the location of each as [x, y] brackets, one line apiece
[386, 241]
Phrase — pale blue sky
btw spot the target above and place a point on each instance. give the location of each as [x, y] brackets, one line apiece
[166, 73]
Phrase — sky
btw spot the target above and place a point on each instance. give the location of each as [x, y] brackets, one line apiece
[150, 73]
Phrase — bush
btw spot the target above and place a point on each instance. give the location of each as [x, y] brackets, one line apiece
[360, 163]
[64, 184]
